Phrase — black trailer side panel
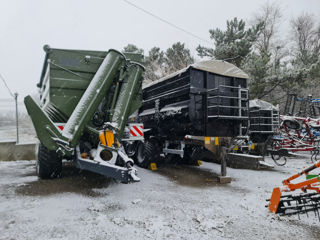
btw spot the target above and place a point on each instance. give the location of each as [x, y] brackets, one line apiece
[195, 102]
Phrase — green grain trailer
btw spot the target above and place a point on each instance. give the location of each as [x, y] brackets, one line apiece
[86, 98]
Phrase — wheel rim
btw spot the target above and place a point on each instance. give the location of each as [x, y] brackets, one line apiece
[131, 150]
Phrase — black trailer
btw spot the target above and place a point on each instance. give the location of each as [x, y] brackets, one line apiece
[187, 111]
[264, 120]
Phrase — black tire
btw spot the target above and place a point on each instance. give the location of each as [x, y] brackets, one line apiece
[49, 163]
[278, 159]
[131, 149]
[277, 154]
[192, 155]
[147, 153]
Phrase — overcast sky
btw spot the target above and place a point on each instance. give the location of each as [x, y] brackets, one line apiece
[26, 25]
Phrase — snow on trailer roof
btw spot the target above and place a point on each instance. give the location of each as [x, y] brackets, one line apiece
[262, 105]
[214, 66]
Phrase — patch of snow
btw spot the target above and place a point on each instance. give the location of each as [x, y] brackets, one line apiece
[158, 207]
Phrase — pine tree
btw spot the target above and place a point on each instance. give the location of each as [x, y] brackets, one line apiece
[177, 57]
[233, 44]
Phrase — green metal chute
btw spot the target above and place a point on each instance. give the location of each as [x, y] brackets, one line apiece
[45, 128]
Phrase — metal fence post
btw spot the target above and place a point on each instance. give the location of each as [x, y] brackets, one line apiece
[17, 119]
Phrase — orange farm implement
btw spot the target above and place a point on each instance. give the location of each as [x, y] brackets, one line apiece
[304, 201]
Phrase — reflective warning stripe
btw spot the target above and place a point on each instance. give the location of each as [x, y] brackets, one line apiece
[136, 130]
[132, 133]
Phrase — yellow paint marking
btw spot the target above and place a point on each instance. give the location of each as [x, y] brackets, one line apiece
[153, 167]
[216, 141]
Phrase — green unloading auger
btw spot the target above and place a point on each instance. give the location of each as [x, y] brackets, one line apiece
[93, 96]
[128, 92]
[114, 66]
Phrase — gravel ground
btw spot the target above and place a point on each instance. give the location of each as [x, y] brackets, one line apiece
[175, 202]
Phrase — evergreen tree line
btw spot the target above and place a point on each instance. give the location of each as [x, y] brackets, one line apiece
[278, 63]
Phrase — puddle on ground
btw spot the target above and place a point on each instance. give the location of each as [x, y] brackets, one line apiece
[196, 177]
[72, 181]
[190, 176]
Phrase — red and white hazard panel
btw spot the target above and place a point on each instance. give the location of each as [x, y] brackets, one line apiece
[136, 130]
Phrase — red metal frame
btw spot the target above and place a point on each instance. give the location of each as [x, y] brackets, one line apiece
[294, 140]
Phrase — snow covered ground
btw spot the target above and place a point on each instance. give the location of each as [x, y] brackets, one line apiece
[176, 202]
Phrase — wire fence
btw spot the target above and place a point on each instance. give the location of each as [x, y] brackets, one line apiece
[14, 120]
[8, 126]
[8, 112]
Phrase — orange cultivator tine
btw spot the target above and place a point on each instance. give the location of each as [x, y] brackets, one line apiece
[275, 200]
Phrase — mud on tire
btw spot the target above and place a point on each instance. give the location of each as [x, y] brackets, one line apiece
[49, 163]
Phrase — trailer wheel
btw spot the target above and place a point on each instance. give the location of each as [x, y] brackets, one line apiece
[146, 153]
[192, 155]
[49, 163]
[131, 149]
